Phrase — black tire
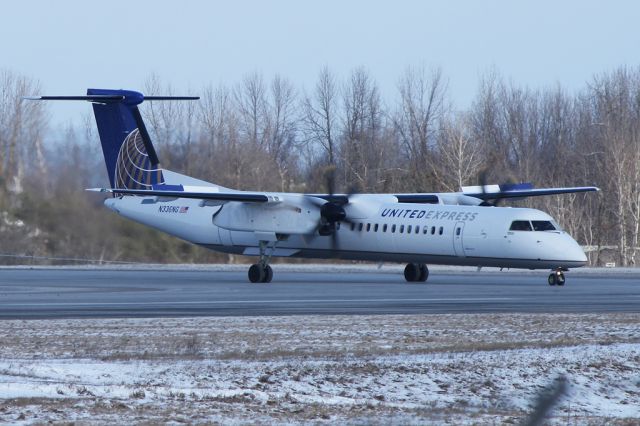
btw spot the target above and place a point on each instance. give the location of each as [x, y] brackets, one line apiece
[268, 274]
[411, 272]
[256, 273]
[560, 279]
[552, 279]
[424, 272]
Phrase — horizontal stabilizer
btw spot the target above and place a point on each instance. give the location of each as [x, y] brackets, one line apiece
[129, 97]
[93, 98]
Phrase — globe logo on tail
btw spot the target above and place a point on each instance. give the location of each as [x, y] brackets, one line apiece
[134, 169]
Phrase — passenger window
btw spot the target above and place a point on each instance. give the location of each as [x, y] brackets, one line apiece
[520, 225]
[393, 229]
[433, 230]
[359, 227]
[384, 228]
[542, 225]
[440, 231]
[368, 227]
[409, 229]
[417, 229]
[425, 230]
[353, 226]
[458, 231]
[375, 228]
[401, 229]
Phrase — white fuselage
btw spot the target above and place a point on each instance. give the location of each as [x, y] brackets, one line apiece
[379, 231]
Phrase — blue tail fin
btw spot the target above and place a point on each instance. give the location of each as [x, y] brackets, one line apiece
[131, 160]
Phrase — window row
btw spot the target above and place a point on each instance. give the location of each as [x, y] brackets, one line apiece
[409, 229]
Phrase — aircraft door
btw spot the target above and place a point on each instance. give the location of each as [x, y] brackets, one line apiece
[458, 232]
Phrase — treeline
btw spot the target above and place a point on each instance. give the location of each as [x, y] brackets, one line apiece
[269, 134]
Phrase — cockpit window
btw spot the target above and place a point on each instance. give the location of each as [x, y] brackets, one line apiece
[520, 225]
[543, 225]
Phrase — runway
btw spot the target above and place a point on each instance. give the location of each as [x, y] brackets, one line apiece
[104, 293]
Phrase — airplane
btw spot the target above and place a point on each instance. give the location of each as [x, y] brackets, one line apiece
[454, 228]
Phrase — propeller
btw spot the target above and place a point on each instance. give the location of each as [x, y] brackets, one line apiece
[332, 210]
[500, 194]
[483, 184]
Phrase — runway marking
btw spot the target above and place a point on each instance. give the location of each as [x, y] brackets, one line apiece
[227, 302]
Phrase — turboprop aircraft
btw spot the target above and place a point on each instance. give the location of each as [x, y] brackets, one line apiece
[458, 228]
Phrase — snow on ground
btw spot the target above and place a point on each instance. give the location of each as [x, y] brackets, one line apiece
[415, 369]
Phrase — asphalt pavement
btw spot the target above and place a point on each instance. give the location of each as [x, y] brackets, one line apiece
[103, 293]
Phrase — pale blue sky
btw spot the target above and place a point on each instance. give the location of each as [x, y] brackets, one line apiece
[69, 45]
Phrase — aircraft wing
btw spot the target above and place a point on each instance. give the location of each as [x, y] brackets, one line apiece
[486, 193]
[495, 192]
[247, 197]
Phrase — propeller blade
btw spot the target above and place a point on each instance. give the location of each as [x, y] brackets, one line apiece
[330, 176]
[483, 184]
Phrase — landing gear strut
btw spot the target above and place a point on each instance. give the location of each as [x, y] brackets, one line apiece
[261, 272]
[556, 277]
[415, 272]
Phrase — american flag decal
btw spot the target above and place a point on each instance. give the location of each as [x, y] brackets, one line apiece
[184, 209]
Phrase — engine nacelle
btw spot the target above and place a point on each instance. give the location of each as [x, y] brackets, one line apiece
[459, 200]
[288, 216]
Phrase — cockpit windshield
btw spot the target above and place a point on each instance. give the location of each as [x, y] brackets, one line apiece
[542, 225]
[534, 225]
[520, 225]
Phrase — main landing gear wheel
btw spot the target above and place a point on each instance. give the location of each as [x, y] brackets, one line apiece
[556, 278]
[415, 272]
[260, 274]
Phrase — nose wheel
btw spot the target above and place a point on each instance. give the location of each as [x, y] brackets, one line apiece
[556, 278]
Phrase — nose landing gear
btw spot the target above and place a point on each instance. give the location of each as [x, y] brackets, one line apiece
[556, 277]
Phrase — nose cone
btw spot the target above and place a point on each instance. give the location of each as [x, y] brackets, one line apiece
[574, 253]
[578, 255]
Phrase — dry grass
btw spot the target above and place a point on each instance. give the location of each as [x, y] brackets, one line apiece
[314, 336]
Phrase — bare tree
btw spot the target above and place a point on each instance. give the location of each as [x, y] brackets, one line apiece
[218, 136]
[617, 113]
[251, 103]
[22, 127]
[363, 149]
[282, 128]
[171, 124]
[417, 121]
[321, 115]
[458, 154]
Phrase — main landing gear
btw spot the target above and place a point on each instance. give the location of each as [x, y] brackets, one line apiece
[556, 277]
[416, 272]
[261, 272]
